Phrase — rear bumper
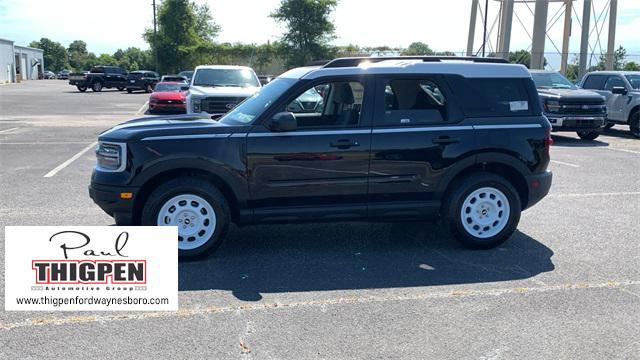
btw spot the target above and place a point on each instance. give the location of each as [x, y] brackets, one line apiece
[78, 82]
[538, 186]
[108, 199]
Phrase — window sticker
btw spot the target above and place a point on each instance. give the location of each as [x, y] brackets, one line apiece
[518, 105]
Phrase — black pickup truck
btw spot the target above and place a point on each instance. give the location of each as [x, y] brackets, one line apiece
[100, 77]
[569, 108]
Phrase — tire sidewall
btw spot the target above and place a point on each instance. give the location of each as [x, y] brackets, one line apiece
[634, 124]
[96, 86]
[196, 187]
[466, 187]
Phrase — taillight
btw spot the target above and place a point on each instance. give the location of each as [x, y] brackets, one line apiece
[548, 140]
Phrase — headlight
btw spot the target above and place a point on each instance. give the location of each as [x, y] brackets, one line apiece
[111, 156]
[195, 104]
[552, 106]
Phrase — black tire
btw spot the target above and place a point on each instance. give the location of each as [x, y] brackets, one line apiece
[588, 135]
[96, 86]
[609, 125]
[129, 91]
[120, 88]
[82, 88]
[634, 124]
[190, 186]
[463, 188]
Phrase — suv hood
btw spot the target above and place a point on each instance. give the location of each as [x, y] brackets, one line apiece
[571, 94]
[222, 91]
[173, 125]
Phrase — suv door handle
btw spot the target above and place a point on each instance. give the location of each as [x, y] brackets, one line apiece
[344, 143]
[443, 140]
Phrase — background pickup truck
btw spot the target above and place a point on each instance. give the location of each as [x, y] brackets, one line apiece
[100, 77]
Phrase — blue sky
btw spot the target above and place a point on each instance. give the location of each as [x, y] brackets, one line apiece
[443, 24]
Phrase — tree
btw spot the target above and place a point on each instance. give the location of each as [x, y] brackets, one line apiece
[631, 66]
[309, 29]
[618, 60]
[522, 57]
[55, 55]
[418, 48]
[184, 35]
[79, 58]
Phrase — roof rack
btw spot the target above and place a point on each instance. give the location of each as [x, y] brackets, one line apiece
[355, 61]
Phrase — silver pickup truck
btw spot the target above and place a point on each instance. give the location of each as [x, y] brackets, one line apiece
[621, 90]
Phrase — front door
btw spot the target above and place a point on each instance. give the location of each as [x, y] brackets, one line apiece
[615, 102]
[318, 171]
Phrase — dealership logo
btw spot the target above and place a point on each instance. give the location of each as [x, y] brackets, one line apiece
[230, 106]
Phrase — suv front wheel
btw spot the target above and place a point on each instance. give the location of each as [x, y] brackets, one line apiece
[482, 210]
[196, 207]
[634, 124]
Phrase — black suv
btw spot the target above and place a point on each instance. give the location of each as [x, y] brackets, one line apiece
[142, 80]
[389, 139]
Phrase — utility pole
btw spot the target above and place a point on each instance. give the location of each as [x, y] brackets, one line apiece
[584, 39]
[472, 27]
[564, 57]
[484, 33]
[155, 36]
[611, 46]
[539, 34]
[506, 19]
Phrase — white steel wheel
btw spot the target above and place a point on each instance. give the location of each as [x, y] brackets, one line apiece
[194, 217]
[485, 212]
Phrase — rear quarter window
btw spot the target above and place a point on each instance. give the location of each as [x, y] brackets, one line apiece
[493, 97]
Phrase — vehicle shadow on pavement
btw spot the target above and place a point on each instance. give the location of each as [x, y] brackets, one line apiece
[320, 257]
[563, 141]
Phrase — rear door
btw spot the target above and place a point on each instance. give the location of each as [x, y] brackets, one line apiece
[417, 136]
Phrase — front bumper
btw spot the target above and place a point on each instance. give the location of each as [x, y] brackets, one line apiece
[538, 186]
[108, 199]
[576, 123]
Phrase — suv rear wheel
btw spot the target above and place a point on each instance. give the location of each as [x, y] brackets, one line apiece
[482, 210]
[196, 207]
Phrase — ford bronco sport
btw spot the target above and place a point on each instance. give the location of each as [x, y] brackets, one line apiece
[387, 139]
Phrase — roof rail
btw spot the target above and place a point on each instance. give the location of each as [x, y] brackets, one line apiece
[355, 61]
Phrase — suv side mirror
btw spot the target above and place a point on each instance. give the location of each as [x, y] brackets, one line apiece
[184, 88]
[620, 90]
[283, 121]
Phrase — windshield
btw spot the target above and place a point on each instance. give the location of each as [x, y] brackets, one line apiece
[256, 104]
[167, 87]
[634, 80]
[225, 77]
[552, 80]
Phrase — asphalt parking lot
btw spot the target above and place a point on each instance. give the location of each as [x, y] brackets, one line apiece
[567, 285]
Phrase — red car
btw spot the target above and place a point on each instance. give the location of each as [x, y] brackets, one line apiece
[168, 97]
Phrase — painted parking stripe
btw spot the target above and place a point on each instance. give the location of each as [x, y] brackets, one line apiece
[140, 111]
[623, 150]
[72, 159]
[6, 131]
[565, 163]
[577, 195]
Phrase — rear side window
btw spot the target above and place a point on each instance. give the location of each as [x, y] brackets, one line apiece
[412, 102]
[594, 82]
[492, 97]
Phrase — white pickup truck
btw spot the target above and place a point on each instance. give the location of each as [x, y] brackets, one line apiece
[621, 90]
[216, 89]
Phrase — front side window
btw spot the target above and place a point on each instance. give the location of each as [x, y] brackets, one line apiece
[613, 81]
[331, 104]
[225, 78]
[413, 101]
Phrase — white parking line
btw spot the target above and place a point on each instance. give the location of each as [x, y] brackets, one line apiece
[623, 150]
[565, 163]
[72, 159]
[139, 112]
[569, 195]
[5, 131]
